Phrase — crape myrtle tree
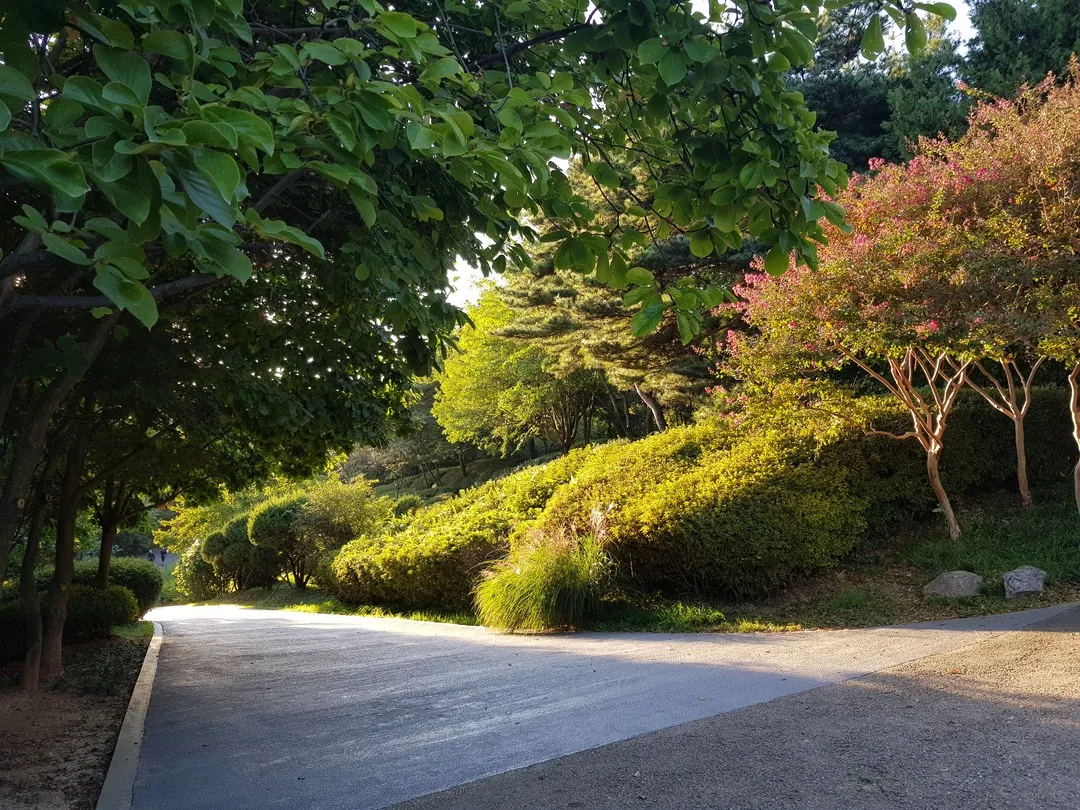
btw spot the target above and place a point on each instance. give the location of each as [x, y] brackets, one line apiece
[960, 258]
[150, 154]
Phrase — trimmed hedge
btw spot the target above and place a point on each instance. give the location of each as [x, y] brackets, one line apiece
[141, 577]
[92, 613]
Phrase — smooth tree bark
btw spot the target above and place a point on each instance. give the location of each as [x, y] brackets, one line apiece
[115, 502]
[654, 407]
[945, 378]
[1007, 400]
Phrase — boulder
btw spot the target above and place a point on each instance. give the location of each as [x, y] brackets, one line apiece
[1027, 580]
[954, 584]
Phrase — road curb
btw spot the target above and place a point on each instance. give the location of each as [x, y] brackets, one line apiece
[116, 793]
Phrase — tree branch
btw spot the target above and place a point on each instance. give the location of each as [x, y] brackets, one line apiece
[161, 292]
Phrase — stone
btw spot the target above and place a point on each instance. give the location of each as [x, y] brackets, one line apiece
[1027, 580]
[953, 585]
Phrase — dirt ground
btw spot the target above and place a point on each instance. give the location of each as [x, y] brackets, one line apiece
[55, 745]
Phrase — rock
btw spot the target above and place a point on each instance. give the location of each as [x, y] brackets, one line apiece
[1027, 580]
[954, 584]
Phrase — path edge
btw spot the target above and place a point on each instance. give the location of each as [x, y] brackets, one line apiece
[117, 792]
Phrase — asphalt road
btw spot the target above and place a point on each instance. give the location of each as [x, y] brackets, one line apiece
[266, 709]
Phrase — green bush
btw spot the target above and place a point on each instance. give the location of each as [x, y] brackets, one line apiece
[196, 578]
[434, 559]
[740, 522]
[556, 582]
[406, 504]
[141, 577]
[92, 613]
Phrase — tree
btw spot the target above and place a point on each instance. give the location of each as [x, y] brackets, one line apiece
[498, 392]
[1018, 42]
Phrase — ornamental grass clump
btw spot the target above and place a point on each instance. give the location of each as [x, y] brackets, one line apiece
[556, 581]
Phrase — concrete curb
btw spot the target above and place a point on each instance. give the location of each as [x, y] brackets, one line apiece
[116, 793]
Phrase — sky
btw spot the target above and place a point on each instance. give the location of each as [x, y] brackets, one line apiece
[465, 280]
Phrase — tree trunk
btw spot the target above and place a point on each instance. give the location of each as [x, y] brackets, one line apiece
[52, 666]
[932, 459]
[653, 406]
[532, 448]
[1074, 408]
[1021, 461]
[31, 601]
[108, 537]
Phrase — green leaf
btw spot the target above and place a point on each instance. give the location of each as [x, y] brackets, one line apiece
[324, 52]
[205, 133]
[399, 23]
[776, 261]
[64, 249]
[699, 49]
[873, 41]
[343, 130]
[943, 10]
[248, 126]
[701, 244]
[14, 85]
[5, 116]
[126, 68]
[914, 33]
[230, 260]
[651, 51]
[100, 312]
[647, 318]
[441, 69]
[127, 294]
[672, 68]
[221, 170]
[639, 276]
[420, 137]
[276, 229]
[202, 192]
[167, 43]
[637, 295]
[59, 171]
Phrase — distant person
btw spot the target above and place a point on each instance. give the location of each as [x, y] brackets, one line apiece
[150, 555]
[163, 553]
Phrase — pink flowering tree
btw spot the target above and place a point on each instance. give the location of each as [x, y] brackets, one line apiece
[955, 269]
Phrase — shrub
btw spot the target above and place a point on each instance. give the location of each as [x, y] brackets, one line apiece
[272, 527]
[407, 504]
[335, 513]
[434, 559]
[141, 577]
[556, 581]
[740, 522]
[196, 578]
[92, 613]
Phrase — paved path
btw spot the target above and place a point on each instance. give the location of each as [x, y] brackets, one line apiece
[266, 709]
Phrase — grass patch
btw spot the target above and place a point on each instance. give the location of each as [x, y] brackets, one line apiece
[135, 631]
[169, 594]
[997, 540]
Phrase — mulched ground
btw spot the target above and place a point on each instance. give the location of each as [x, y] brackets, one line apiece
[55, 744]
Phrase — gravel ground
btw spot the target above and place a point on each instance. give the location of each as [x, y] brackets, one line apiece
[991, 725]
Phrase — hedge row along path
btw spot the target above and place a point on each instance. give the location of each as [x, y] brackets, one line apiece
[274, 709]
